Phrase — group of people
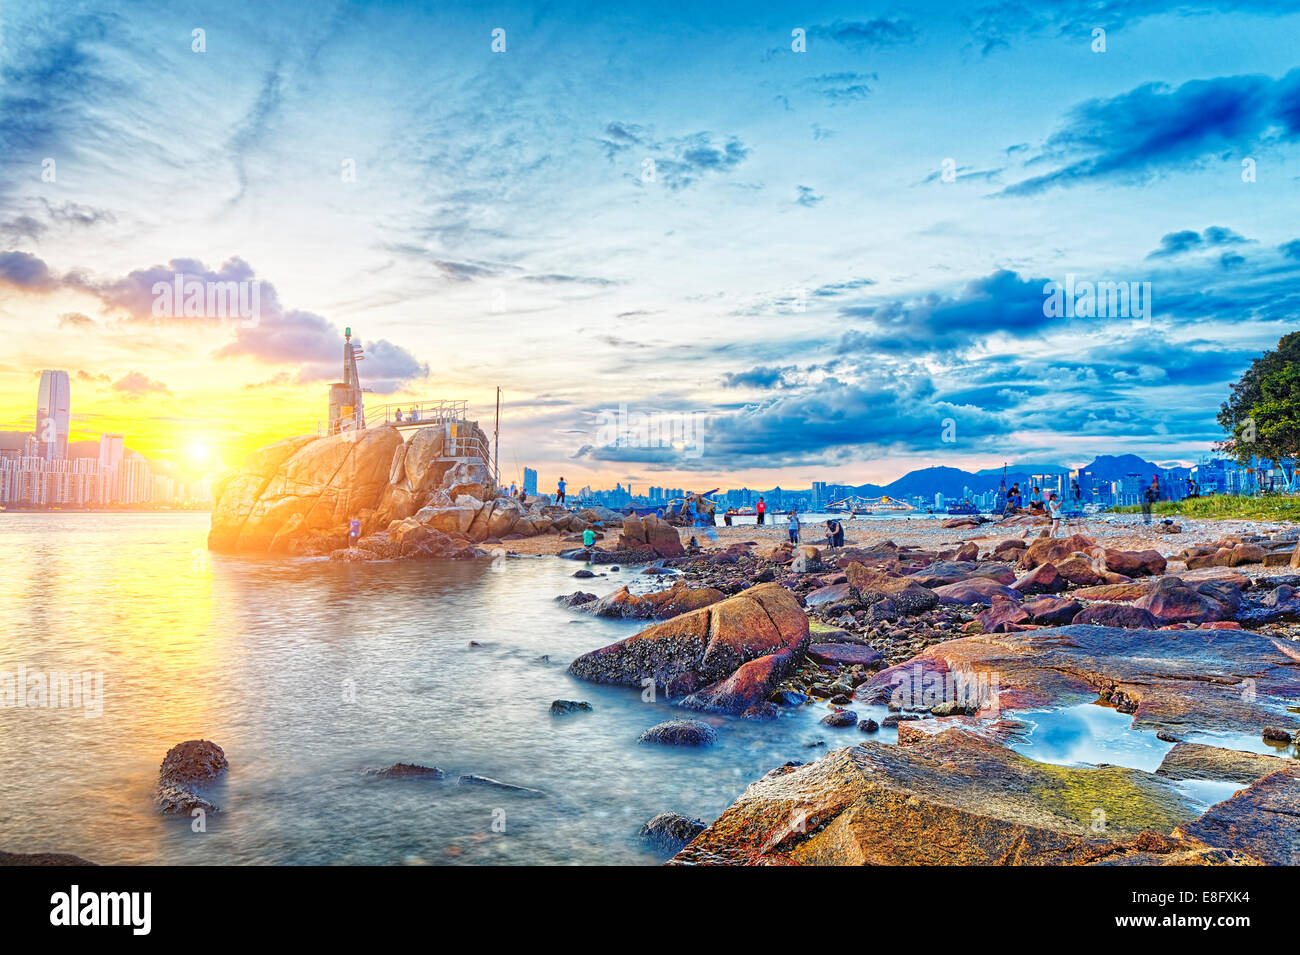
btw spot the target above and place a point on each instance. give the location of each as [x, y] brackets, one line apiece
[1049, 505]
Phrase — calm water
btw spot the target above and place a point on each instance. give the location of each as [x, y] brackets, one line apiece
[309, 672]
[258, 655]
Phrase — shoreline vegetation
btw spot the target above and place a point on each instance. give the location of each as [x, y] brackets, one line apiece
[1267, 507]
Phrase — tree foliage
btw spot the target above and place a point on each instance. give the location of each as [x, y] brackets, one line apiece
[1262, 415]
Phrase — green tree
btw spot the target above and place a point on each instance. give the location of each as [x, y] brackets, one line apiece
[1262, 415]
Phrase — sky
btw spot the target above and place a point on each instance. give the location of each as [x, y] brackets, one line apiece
[793, 242]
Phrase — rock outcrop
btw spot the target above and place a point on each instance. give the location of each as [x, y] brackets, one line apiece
[651, 534]
[298, 496]
[187, 766]
[695, 653]
[1218, 680]
[657, 605]
[955, 798]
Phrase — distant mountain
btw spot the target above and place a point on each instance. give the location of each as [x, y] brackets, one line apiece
[926, 482]
[1111, 467]
[1026, 469]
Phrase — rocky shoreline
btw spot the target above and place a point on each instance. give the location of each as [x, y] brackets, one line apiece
[956, 629]
[955, 640]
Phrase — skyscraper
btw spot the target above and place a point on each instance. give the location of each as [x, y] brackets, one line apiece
[110, 460]
[530, 482]
[53, 415]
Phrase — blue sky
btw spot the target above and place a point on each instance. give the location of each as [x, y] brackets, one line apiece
[798, 268]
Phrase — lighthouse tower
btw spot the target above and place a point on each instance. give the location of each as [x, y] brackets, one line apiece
[347, 410]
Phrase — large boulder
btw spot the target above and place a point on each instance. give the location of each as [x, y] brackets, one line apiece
[1139, 563]
[1051, 550]
[697, 649]
[975, 590]
[957, 799]
[299, 495]
[1117, 615]
[650, 533]
[1172, 601]
[186, 767]
[1043, 579]
[302, 487]
[680, 598]
[747, 687]
[1003, 616]
[1052, 611]
[905, 594]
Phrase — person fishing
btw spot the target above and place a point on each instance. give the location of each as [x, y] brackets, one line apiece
[559, 491]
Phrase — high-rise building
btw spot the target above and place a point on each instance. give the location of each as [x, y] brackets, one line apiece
[111, 448]
[53, 415]
[530, 482]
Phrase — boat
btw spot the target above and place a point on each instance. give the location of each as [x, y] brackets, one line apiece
[869, 505]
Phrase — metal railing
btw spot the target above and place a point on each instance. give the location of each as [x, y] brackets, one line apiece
[424, 414]
[416, 413]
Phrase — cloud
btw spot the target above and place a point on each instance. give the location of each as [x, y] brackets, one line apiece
[1176, 243]
[1291, 249]
[862, 35]
[136, 385]
[997, 25]
[1000, 301]
[1186, 240]
[1139, 135]
[808, 196]
[761, 377]
[75, 320]
[24, 271]
[678, 162]
[274, 335]
[48, 86]
[841, 88]
[466, 271]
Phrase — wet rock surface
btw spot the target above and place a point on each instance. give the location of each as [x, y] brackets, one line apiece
[186, 766]
[956, 799]
[1227, 680]
[669, 831]
[679, 733]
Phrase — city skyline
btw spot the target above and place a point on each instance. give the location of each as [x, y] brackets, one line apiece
[833, 236]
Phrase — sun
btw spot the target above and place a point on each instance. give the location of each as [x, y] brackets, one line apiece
[198, 451]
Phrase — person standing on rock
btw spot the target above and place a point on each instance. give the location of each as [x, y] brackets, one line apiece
[793, 518]
[1054, 512]
[354, 532]
[559, 491]
[761, 510]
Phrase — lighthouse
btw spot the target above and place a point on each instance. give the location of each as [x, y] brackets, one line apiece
[347, 410]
